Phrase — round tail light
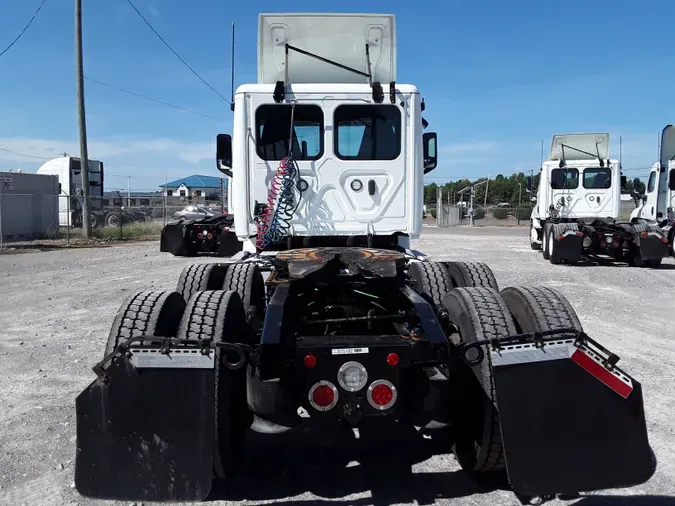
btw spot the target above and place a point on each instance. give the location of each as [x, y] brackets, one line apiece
[209, 235]
[382, 394]
[323, 396]
[393, 359]
[200, 236]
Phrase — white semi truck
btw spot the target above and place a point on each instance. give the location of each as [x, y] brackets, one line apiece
[658, 202]
[68, 169]
[349, 326]
[578, 205]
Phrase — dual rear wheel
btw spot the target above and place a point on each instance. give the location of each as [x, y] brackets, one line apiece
[214, 302]
[482, 312]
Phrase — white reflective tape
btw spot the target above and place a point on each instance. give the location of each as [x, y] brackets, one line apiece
[349, 351]
[181, 359]
[525, 353]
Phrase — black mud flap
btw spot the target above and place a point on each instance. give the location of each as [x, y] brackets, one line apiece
[569, 424]
[172, 239]
[652, 247]
[569, 248]
[228, 244]
[146, 434]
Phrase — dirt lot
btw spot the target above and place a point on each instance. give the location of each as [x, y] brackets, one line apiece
[57, 306]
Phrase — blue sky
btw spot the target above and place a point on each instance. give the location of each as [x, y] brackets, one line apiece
[497, 77]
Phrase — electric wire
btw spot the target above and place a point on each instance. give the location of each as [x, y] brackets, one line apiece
[151, 99]
[30, 22]
[174, 52]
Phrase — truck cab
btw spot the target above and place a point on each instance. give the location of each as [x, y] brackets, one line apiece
[328, 136]
[575, 185]
[658, 202]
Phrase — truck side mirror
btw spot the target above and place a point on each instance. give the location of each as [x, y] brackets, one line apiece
[671, 180]
[224, 153]
[624, 181]
[528, 183]
[429, 140]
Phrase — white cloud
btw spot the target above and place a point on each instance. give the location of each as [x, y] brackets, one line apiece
[153, 10]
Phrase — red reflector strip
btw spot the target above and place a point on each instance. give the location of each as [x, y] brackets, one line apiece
[609, 378]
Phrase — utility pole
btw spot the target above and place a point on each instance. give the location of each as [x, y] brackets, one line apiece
[128, 191]
[84, 155]
[487, 187]
[520, 193]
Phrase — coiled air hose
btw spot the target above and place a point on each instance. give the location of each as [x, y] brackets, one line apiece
[274, 222]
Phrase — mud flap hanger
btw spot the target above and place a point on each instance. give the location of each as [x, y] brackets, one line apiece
[472, 353]
[245, 353]
[378, 92]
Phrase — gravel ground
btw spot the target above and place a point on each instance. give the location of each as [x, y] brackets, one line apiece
[57, 307]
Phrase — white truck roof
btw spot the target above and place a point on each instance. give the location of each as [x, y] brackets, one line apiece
[588, 142]
[339, 37]
[323, 89]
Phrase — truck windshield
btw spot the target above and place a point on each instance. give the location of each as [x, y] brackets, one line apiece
[367, 132]
[597, 178]
[273, 130]
[564, 179]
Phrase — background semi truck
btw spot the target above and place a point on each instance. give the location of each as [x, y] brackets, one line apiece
[68, 169]
[577, 209]
[658, 201]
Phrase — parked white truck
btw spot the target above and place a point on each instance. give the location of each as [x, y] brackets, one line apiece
[347, 322]
[68, 169]
[578, 204]
[658, 202]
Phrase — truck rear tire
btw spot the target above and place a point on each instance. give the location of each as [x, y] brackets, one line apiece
[533, 245]
[431, 280]
[464, 274]
[200, 277]
[535, 309]
[544, 241]
[478, 313]
[146, 313]
[219, 315]
[246, 280]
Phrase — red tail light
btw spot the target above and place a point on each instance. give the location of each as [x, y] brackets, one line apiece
[616, 244]
[309, 361]
[393, 359]
[200, 236]
[210, 235]
[323, 396]
[382, 394]
[602, 243]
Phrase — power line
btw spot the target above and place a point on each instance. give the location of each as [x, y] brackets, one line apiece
[27, 156]
[150, 99]
[24, 29]
[174, 52]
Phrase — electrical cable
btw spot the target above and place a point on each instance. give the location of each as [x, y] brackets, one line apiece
[174, 52]
[151, 99]
[27, 156]
[24, 29]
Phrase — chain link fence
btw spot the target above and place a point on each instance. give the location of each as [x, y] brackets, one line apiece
[27, 219]
[460, 214]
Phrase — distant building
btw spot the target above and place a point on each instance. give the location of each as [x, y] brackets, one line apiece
[208, 187]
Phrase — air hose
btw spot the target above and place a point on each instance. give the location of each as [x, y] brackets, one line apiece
[274, 222]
